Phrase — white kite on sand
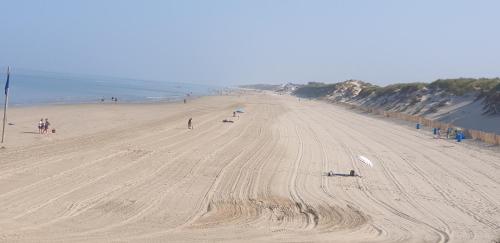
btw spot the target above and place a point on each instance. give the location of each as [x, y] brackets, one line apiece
[365, 160]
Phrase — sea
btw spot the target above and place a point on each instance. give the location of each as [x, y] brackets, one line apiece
[29, 88]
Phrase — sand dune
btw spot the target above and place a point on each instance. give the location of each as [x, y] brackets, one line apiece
[135, 173]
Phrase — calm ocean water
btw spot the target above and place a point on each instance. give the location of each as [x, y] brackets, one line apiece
[33, 88]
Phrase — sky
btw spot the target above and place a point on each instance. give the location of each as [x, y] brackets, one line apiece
[242, 42]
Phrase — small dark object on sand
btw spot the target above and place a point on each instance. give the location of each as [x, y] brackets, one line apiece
[53, 130]
[225, 120]
[352, 173]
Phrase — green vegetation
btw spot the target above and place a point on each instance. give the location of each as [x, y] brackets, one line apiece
[458, 86]
[492, 101]
[462, 86]
[368, 90]
[271, 87]
[486, 89]
[315, 90]
[400, 88]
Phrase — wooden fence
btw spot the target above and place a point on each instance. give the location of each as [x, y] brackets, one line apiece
[490, 138]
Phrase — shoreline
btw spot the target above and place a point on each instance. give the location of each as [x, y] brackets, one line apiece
[77, 119]
[138, 101]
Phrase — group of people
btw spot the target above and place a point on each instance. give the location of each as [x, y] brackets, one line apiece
[112, 99]
[454, 133]
[43, 126]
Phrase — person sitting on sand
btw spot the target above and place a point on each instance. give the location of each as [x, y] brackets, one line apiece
[41, 126]
[46, 125]
[190, 123]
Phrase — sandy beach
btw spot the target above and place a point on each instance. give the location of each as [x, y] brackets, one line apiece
[135, 173]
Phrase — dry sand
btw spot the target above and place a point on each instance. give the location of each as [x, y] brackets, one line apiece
[135, 173]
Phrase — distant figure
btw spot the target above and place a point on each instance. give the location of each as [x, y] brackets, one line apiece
[41, 126]
[190, 123]
[234, 113]
[116, 99]
[438, 133]
[46, 125]
[185, 101]
[112, 98]
[102, 100]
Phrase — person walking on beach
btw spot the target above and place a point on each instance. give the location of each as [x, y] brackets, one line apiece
[190, 123]
[46, 125]
[41, 126]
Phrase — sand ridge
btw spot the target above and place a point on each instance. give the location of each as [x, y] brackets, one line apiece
[135, 173]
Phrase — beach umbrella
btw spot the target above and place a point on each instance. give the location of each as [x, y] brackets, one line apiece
[365, 160]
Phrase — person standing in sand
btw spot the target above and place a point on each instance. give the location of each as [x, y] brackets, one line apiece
[46, 125]
[41, 126]
[190, 123]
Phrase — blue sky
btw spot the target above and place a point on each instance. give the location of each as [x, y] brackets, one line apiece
[236, 42]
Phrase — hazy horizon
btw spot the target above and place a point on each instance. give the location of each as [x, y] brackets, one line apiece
[246, 42]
